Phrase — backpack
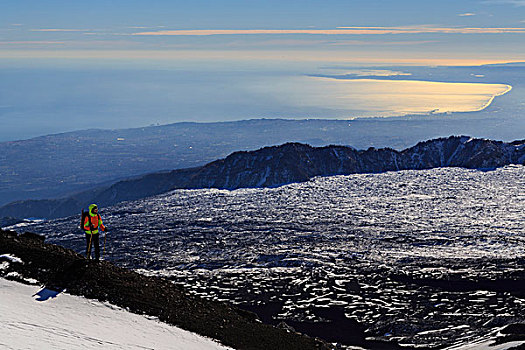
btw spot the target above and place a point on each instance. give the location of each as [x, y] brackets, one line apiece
[83, 217]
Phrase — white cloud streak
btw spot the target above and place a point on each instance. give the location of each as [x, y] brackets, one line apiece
[2, 43]
[505, 2]
[400, 57]
[338, 31]
[59, 30]
[381, 43]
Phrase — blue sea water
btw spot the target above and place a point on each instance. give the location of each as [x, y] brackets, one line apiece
[38, 100]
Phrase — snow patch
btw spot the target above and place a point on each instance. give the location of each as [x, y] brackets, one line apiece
[11, 258]
[14, 275]
[25, 223]
[71, 322]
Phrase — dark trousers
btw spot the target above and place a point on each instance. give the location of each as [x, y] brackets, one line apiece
[93, 239]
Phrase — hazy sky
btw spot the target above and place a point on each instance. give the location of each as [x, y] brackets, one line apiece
[69, 65]
[412, 31]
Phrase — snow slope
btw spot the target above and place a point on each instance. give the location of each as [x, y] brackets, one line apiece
[69, 322]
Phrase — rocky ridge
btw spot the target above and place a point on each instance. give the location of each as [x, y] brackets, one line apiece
[278, 165]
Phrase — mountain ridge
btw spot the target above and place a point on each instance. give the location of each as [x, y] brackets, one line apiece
[49, 167]
[58, 165]
[291, 162]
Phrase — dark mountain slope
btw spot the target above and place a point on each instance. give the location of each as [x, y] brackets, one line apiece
[294, 162]
[56, 166]
[288, 163]
[60, 268]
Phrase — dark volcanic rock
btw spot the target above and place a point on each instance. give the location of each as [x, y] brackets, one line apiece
[512, 333]
[518, 328]
[8, 221]
[59, 269]
[31, 235]
[279, 165]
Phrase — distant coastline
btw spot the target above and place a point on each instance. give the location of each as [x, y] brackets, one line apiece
[387, 98]
[489, 102]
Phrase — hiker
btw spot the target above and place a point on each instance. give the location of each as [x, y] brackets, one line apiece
[92, 222]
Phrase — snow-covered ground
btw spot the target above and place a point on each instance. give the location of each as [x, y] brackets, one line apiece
[65, 321]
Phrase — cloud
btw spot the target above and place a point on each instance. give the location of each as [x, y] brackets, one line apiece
[503, 2]
[337, 31]
[386, 43]
[273, 42]
[59, 30]
[467, 14]
[283, 42]
[168, 57]
[2, 43]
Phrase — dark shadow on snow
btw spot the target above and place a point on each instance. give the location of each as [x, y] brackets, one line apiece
[45, 294]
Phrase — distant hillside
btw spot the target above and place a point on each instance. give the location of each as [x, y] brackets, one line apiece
[279, 165]
[59, 165]
[55, 166]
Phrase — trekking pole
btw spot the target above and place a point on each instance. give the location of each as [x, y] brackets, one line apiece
[104, 251]
[89, 248]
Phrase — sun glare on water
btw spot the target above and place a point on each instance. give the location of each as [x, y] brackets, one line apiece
[383, 98]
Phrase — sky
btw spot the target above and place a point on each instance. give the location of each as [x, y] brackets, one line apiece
[70, 65]
[374, 31]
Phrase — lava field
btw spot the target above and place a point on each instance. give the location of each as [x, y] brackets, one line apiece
[427, 258]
